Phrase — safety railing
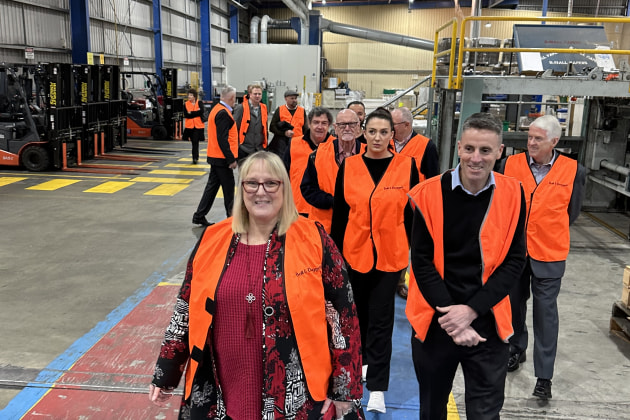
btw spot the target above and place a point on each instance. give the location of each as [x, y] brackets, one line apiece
[455, 78]
[451, 52]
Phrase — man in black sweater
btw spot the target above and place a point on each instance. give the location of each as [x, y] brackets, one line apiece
[467, 250]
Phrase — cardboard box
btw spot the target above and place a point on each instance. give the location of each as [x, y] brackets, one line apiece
[625, 295]
[626, 276]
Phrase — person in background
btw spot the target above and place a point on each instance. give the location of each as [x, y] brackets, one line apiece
[359, 108]
[251, 120]
[296, 155]
[222, 154]
[288, 115]
[193, 126]
[264, 324]
[467, 250]
[318, 182]
[554, 188]
[422, 149]
[370, 223]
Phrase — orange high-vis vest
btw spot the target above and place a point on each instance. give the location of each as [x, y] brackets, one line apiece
[196, 121]
[214, 151]
[495, 239]
[245, 122]
[415, 148]
[302, 271]
[296, 120]
[376, 220]
[300, 150]
[548, 234]
[327, 168]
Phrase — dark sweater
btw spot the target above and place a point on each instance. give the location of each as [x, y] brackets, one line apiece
[462, 284]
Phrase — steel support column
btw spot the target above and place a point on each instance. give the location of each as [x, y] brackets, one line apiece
[80, 29]
[157, 37]
[206, 49]
[233, 24]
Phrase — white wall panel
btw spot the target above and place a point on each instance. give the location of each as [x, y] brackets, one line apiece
[11, 23]
[141, 14]
[47, 28]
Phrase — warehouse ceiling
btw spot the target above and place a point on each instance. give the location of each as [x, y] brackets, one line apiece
[583, 7]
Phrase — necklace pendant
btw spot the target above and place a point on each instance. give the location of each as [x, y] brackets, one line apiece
[250, 297]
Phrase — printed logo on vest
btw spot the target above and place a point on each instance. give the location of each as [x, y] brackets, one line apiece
[559, 184]
[394, 187]
[308, 270]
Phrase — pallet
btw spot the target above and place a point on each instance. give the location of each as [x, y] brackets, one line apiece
[620, 320]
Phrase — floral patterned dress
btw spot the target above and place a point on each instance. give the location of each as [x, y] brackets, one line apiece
[285, 393]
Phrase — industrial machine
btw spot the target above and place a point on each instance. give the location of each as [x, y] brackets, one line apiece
[154, 110]
[564, 70]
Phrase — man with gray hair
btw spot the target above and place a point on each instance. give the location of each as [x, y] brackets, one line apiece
[552, 206]
[222, 154]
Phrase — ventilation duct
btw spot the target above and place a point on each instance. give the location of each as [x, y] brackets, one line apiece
[374, 35]
[253, 30]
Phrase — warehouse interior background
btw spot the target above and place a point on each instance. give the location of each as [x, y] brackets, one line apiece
[378, 51]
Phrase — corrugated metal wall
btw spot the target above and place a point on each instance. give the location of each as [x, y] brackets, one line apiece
[119, 29]
[44, 26]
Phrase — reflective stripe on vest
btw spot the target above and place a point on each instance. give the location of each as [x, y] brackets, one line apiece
[194, 122]
[296, 120]
[495, 239]
[376, 219]
[302, 270]
[548, 233]
[214, 151]
[415, 148]
[246, 118]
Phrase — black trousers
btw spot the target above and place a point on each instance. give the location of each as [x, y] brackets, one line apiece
[484, 366]
[194, 135]
[374, 294]
[220, 176]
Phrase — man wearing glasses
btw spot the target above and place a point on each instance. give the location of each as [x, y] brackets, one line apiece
[423, 150]
[298, 150]
[318, 183]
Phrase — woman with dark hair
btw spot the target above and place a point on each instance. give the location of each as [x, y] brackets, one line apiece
[371, 219]
[265, 320]
[194, 125]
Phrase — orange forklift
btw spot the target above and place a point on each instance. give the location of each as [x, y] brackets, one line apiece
[153, 110]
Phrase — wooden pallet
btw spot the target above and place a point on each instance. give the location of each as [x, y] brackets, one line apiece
[620, 320]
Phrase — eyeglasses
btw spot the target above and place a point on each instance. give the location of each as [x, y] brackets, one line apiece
[268, 186]
[346, 125]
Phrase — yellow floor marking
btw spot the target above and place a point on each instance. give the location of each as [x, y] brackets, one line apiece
[163, 180]
[190, 165]
[166, 189]
[172, 172]
[53, 185]
[6, 180]
[109, 187]
[451, 408]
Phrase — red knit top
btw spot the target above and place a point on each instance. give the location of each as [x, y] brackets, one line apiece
[239, 359]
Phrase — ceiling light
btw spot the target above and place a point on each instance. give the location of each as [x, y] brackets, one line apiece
[323, 2]
[488, 25]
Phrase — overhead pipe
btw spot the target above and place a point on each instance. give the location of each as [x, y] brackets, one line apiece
[375, 35]
[279, 24]
[264, 22]
[301, 11]
[253, 30]
[475, 25]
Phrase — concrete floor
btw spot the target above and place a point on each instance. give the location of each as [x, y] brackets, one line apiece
[68, 258]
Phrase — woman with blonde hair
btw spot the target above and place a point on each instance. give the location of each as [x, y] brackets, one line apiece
[265, 319]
